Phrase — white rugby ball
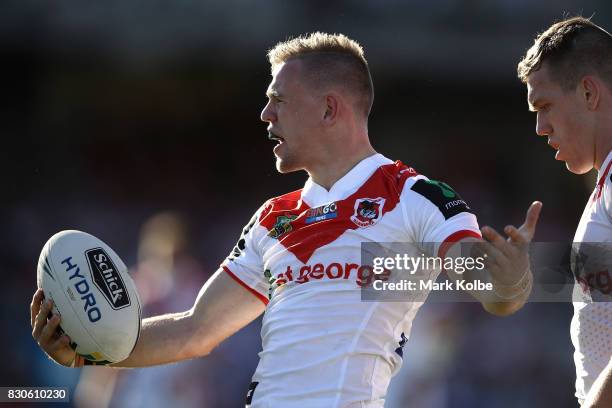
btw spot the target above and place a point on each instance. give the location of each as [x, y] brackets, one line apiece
[93, 293]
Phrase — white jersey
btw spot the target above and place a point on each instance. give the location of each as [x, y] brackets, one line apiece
[322, 346]
[591, 328]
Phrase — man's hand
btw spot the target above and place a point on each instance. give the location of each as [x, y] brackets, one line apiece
[508, 259]
[44, 330]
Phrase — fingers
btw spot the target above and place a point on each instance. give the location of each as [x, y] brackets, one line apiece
[490, 234]
[41, 318]
[498, 241]
[495, 260]
[61, 343]
[515, 236]
[35, 305]
[45, 330]
[48, 332]
[531, 220]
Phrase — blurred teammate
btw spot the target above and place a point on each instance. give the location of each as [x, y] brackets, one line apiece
[568, 72]
[299, 257]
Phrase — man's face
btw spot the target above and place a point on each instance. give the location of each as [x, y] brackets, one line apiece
[562, 116]
[294, 114]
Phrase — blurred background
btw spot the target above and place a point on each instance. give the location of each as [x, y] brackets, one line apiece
[138, 122]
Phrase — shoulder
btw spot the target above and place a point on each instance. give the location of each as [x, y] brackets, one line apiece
[395, 176]
[285, 202]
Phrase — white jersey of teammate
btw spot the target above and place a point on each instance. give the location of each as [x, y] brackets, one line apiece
[322, 346]
[591, 328]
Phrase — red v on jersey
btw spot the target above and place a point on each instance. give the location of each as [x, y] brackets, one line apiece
[287, 217]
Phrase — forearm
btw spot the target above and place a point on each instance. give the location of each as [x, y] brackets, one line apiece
[600, 395]
[503, 299]
[164, 339]
[221, 309]
[504, 306]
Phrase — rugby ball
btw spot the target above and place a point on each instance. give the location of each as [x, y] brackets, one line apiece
[93, 293]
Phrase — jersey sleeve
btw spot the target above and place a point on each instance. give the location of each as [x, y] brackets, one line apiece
[435, 215]
[245, 263]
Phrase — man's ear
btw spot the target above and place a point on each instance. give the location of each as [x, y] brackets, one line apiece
[590, 91]
[333, 103]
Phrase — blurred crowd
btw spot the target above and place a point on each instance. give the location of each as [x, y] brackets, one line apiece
[142, 128]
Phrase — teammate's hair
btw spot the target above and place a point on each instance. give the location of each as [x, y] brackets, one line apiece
[330, 59]
[571, 49]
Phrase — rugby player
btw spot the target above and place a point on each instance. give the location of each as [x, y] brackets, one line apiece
[568, 73]
[299, 257]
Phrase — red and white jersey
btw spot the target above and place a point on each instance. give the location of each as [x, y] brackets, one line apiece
[591, 328]
[322, 346]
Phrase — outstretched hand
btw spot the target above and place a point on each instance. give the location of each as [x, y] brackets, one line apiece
[508, 258]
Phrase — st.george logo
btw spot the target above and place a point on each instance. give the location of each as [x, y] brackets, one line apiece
[367, 211]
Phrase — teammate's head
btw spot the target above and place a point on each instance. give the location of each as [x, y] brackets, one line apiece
[568, 73]
[321, 87]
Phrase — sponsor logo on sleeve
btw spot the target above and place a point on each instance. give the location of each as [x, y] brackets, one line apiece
[443, 196]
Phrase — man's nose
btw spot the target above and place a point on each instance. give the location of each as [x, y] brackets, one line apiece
[268, 114]
[543, 126]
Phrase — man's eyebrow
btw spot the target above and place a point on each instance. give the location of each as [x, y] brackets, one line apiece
[534, 104]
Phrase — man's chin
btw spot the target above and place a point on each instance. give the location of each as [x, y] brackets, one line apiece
[578, 169]
[285, 166]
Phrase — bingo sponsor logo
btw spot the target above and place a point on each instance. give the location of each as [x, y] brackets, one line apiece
[325, 212]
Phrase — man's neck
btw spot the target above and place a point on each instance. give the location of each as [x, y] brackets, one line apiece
[603, 142]
[601, 153]
[326, 175]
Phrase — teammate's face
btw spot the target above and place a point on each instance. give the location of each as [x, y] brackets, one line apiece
[563, 118]
[293, 113]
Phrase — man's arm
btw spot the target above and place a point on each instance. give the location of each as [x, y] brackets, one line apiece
[507, 264]
[222, 308]
[600, 395]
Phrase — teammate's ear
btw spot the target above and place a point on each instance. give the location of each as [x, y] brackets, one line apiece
[589, 89]
[332, 105]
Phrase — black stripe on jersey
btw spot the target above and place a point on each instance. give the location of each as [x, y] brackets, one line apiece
[443, 196]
